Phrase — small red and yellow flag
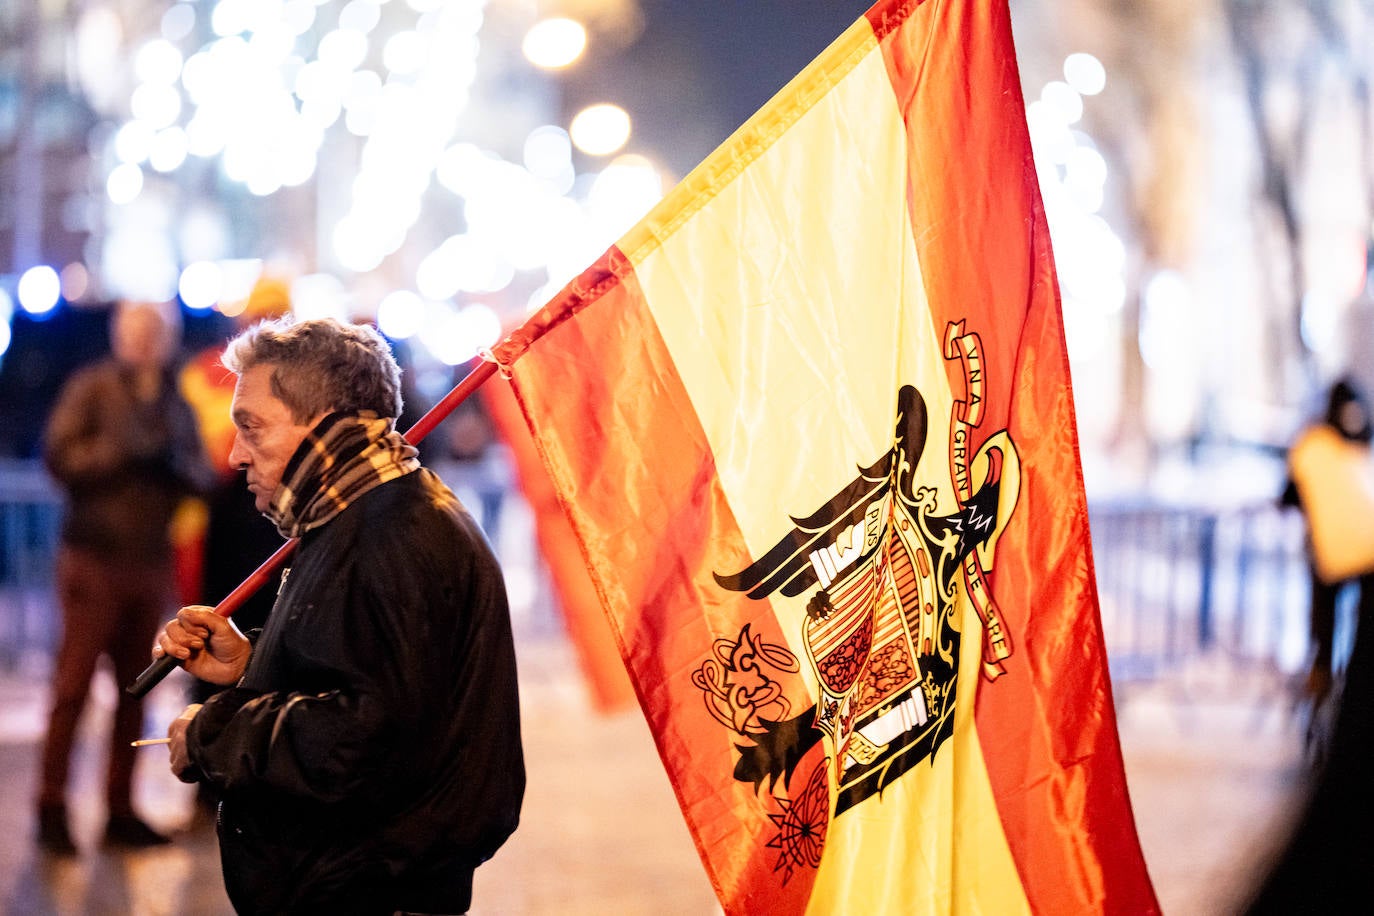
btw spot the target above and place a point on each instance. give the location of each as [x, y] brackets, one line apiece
[812, 426]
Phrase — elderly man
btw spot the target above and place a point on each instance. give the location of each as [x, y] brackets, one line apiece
[123, 445]
[368, 752]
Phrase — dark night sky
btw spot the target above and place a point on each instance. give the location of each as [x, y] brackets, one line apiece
[702, 67]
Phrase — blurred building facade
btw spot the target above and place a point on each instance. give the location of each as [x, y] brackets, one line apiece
[1208, 169]
[406, 162]
[443, 166]
[1240, 163]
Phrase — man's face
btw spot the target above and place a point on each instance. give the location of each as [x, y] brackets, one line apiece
[266, 433]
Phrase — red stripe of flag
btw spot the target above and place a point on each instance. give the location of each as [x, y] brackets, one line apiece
[677, 523]
[1047, 726]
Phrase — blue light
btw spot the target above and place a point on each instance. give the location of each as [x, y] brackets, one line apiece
[40, 289]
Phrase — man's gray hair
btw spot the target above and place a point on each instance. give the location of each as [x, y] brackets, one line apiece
[321, 366]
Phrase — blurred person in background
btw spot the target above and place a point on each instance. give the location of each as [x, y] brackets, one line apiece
[1347, 415]
[1324, 867]
[472, 459]
[123, 445]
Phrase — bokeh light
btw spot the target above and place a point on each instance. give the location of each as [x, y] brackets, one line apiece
[600, 130]
[360, 15]
[133, 142]
[75, 281]
[405, 53]
[178, 21]
[548, 154]
[158, 61]
[169, 150]
[554, 43]
[139, 259]
[454, 336]
[1085, 73]
[319, 296]
[201, 285]
[400, 314]
[39, 289]
[1064, 100]
[158, 104]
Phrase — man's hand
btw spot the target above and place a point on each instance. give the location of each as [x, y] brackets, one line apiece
[182, 767]
[209, 646]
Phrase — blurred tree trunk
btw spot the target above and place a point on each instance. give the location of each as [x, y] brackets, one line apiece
[1281, 106]
[1285, 51]
[1159, 151]
[26, 163]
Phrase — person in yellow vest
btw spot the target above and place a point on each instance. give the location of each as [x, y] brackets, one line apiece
[1324, 466]
[1327, 856]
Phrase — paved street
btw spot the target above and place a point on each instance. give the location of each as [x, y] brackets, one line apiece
[1212, 757]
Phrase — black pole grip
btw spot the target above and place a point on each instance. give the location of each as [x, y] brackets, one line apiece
[152, 675]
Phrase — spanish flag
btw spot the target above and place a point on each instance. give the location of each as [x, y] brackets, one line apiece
[812, 426]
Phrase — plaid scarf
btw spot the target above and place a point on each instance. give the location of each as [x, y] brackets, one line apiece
[343, 457]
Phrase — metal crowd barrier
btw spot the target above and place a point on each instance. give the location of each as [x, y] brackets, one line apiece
[30, 513]
[1178, 582]
[1174, 582]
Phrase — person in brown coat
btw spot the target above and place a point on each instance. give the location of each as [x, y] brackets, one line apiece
[123, 445]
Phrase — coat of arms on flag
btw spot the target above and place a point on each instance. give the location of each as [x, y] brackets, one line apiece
[811, 424]
[882, 567]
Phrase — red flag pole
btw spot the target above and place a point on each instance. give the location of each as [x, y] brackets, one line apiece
[163, 666]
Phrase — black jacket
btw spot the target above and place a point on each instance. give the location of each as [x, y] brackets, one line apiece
[370, 757]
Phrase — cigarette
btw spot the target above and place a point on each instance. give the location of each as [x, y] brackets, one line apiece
[144, 742]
